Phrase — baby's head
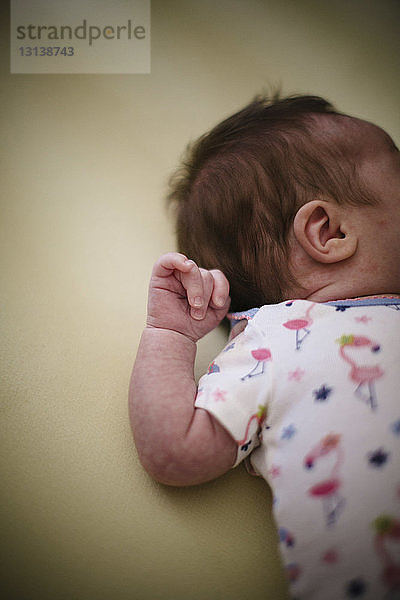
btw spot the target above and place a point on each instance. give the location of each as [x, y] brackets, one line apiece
[288, 197]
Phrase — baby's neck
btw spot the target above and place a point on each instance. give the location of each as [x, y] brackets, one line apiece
[332, 294]
[373, 296]
[343, 280]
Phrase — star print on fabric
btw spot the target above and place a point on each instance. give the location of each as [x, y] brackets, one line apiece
[274, 471]
[330, 557]
[322, 393]
[296, 375]
[293, 572]
[285, 537]
[356, 588]
[288, 432]
[219, 395]
[363, 319]
[395, 427]
[378, 458]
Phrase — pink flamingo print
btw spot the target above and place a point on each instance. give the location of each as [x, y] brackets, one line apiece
[299, 325]
[363, 375]
[387, 528]
[259, 416]
[261, 355]
[328, 489]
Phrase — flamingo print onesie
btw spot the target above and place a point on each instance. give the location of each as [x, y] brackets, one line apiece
[311, 394]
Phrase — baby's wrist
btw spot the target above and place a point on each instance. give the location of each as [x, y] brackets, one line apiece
[163, 332]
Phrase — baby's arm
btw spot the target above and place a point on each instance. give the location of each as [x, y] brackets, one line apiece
[177, 443]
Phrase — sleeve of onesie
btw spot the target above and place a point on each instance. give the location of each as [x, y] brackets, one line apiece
[236, 386]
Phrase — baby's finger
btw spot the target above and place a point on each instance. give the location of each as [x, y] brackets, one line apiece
[220, 291]
[172, 261]
[198, 286]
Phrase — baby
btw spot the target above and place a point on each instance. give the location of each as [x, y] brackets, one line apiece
[298, 207]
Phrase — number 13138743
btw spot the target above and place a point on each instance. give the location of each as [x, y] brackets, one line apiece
[47, 50]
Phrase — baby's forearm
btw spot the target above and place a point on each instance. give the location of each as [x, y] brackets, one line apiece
[162, 391]
[177, 443]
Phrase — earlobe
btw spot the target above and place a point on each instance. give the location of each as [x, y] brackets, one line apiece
[323, 232]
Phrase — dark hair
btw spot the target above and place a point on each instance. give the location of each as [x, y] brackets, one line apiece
[240, 185]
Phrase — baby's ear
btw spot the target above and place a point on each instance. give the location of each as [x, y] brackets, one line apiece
[323, 229]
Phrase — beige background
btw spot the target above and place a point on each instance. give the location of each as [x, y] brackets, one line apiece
[84, 165]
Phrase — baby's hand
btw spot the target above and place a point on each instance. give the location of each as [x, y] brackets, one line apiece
[186, 299]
